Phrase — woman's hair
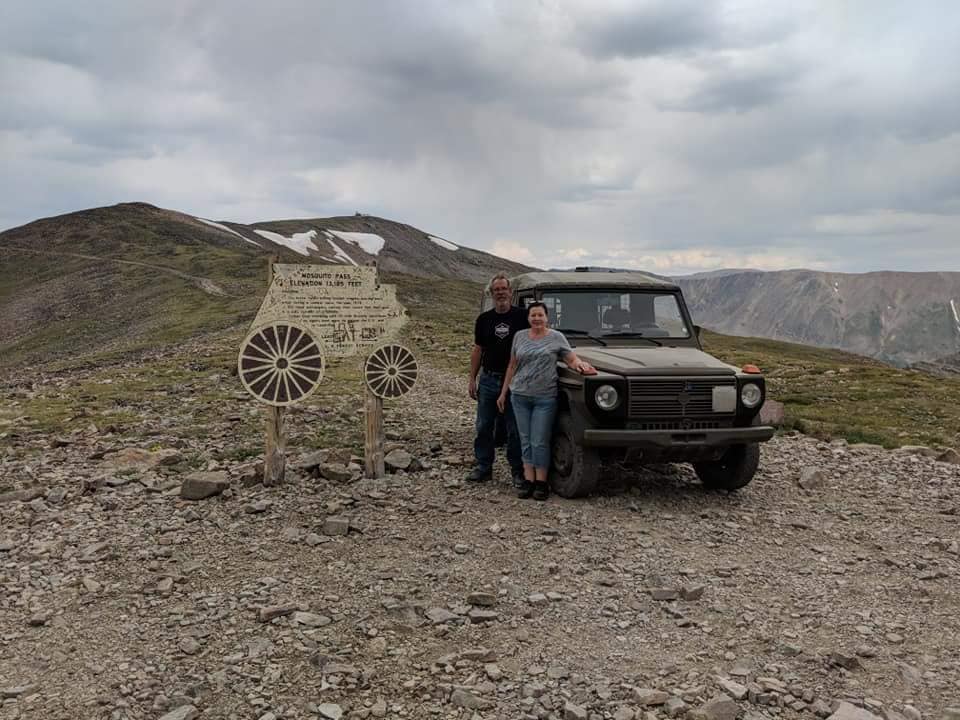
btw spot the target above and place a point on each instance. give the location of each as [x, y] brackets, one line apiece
[538, 304]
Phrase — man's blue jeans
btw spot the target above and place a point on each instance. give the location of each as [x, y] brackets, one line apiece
[535, 423]
[488, 390]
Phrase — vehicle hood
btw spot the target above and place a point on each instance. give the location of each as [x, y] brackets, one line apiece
[654, 361]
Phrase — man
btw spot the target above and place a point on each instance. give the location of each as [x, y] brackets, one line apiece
[493, 337]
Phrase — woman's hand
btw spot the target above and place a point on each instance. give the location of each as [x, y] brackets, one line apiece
[584, 368]
[502, 402]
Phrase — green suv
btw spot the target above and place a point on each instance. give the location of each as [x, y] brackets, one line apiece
[657, 396]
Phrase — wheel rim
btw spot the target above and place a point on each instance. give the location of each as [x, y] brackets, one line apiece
[280, 364]
[391, 371]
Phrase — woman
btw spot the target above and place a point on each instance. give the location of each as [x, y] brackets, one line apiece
[532, 382]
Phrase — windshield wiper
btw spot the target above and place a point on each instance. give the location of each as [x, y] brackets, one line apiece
[636, 335]
[575, 331]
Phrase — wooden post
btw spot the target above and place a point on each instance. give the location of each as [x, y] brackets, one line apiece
[275, 455]
[373, 437]
[373, 440]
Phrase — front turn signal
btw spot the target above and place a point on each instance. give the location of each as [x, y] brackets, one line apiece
[751, 369]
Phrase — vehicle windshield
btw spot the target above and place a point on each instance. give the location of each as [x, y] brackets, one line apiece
[616, 313]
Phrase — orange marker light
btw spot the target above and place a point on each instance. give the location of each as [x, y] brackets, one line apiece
[751, 369]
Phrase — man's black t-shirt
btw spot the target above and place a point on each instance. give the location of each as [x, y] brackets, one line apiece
[494, 333]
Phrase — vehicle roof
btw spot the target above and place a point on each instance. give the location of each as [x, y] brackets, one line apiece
[574, 279]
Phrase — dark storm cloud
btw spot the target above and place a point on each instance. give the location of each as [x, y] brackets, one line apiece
[647, 29]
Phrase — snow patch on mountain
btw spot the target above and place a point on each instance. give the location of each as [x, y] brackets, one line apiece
[337, 250]
[368, 242]
[298, 242]
[956, 315]
[445, 244]
[219, 226]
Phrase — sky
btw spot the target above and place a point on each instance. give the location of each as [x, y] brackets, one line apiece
[675, 136]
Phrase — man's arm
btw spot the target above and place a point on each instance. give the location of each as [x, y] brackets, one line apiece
[475, 355]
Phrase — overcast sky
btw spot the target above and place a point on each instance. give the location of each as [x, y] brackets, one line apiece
[672, 135]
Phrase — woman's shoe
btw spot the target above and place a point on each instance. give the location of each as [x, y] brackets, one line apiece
[541, 491]
[525, 490]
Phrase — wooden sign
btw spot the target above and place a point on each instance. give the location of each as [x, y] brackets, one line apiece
[343, 307]
[313, 311]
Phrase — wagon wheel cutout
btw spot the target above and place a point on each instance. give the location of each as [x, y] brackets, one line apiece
[280, 364]
[390, 371]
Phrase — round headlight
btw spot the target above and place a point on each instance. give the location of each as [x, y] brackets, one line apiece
[750, 395]
[607, 397]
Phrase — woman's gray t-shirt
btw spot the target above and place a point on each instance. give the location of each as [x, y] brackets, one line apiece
[536, 372]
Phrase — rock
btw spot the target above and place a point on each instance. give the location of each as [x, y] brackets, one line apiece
[692, 591]
[311, 619]
[55, 496]
[311, 461]
[184, 712]
[911, 713]
[20, 495]
[137, 459]
[918, 450]
[949, 456]
[574, 712]
[90, 585]
[538, 599]
[330, 711]
[844, 660]
[464, 699]
[675, 707]
[482, 616]
[334, 472]
[267, 614]
[649, 697]
[664, 594]
[189, 646]
[379, 709]
[811, 478]
[720, 707]
[336, 525]
[439, 615]
[733, 689]
[493, 672]
[624, 713]
[38, 619]
[201, 485]
[483, 599]
[951, 713]
[397, 459]
[771, 413]
[846, 711]
[11, 693]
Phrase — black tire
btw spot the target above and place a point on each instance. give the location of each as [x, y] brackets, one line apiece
[574, 469]
[732, 471]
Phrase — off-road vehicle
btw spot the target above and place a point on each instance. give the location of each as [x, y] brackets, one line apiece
[657, 396]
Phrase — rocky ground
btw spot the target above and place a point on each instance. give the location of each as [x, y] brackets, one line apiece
[827, 587]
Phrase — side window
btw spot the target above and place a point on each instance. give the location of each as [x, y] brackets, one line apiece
[667, 314]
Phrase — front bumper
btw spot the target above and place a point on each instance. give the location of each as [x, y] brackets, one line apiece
[675, 439]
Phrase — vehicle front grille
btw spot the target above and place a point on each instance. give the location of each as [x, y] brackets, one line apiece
[664, 398]
[681, 425]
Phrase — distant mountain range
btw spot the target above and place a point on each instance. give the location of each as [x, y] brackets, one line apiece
[897, 317]
[136, 273]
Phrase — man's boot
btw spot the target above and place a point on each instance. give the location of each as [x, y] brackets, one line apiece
[477, 475]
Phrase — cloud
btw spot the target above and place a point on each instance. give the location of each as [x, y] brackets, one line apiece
[678, 134]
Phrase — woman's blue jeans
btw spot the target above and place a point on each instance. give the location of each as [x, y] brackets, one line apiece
[535, 424]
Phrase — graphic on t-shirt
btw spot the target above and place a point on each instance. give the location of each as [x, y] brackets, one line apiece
[501, 330]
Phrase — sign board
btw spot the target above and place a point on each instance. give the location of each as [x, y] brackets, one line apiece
[343, 307]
